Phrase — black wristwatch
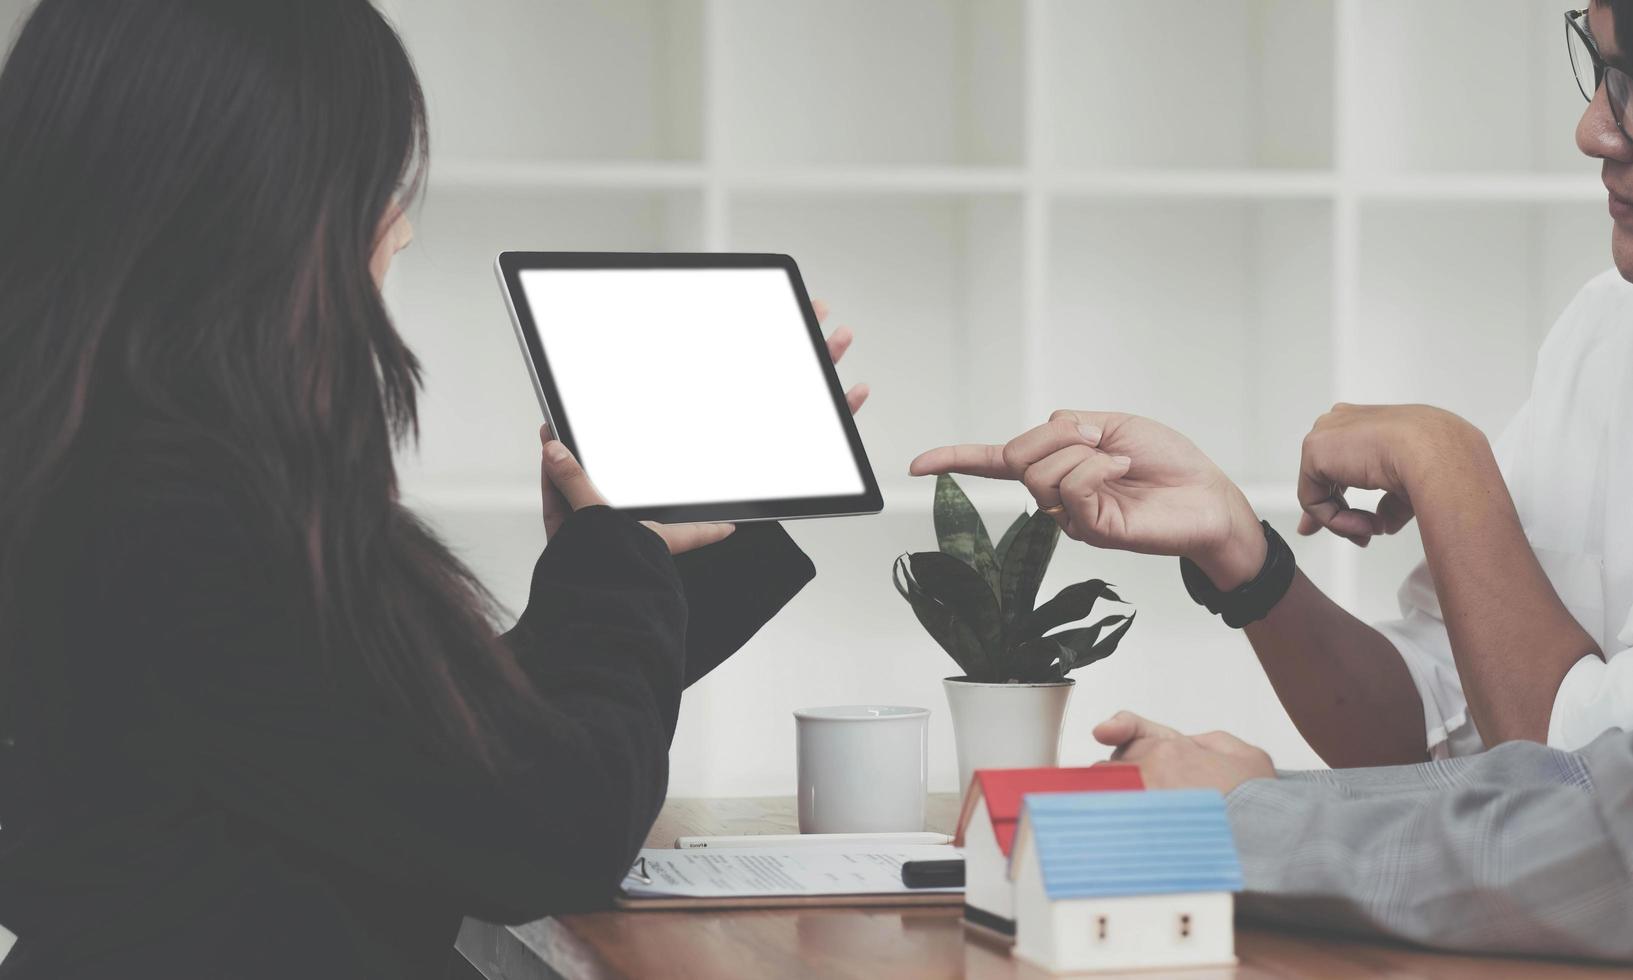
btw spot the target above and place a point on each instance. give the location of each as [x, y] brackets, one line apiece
[1253, 600]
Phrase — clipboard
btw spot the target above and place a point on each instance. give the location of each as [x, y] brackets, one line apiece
[901, 897]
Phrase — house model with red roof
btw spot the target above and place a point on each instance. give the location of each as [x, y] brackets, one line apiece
[987, 825]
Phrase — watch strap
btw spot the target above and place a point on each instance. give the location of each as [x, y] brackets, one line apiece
[1252, 600]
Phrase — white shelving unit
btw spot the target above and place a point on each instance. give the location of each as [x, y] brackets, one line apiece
[1226, 214]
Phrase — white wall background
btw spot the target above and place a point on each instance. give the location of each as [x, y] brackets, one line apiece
[1226, 214]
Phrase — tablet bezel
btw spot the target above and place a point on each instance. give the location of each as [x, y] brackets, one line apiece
[509, 267]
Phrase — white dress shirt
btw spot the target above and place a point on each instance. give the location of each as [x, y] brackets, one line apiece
[1568, 460]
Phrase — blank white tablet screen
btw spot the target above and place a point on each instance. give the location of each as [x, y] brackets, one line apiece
[690, 386]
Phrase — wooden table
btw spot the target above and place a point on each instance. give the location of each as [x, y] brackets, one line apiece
[884, 942]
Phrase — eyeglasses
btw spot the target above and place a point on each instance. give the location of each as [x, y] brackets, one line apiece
[1591, 70]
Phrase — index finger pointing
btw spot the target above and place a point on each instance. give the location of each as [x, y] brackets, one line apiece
[973, 459]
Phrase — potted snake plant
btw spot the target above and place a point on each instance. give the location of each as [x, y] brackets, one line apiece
[979, 602]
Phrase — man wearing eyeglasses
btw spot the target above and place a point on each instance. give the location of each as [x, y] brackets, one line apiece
[1511, 667]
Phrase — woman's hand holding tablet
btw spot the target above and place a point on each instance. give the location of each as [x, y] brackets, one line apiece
[567, 488]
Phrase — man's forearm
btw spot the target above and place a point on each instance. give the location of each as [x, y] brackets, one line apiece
[1341, 681]
[1511, 635]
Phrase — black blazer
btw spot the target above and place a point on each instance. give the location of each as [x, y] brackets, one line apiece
[210, 808]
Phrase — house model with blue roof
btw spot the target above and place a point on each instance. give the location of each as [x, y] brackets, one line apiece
[1121, 881]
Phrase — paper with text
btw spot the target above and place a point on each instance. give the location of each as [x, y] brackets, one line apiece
[765, 873]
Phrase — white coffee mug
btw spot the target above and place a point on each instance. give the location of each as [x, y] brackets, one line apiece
[863, 768]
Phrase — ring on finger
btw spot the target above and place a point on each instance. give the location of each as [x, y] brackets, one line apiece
[1054, 510]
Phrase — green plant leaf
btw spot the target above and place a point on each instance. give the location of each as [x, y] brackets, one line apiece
[1069, 605]
[1009, 537]
[943, 625]
[1085, 646]
[960, 531]
[963, 590]
[1024, 564]
[1036, 662]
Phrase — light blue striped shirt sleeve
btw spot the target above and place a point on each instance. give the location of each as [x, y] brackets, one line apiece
[1521, 850]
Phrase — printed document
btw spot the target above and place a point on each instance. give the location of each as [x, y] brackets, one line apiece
[737, 872]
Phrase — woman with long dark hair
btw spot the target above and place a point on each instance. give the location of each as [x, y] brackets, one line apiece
[254, 719]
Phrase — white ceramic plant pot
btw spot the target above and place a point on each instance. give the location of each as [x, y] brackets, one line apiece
[1006, 726]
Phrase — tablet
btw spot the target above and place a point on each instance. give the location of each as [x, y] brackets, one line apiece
[691, 387]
